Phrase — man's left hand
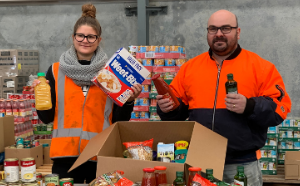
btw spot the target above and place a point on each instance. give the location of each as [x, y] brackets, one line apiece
[137, 89]
[236, 103]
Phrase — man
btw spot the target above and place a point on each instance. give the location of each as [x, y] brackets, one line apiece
[242, 118]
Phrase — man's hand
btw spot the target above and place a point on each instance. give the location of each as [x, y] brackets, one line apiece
[236, 103]
[165, 105]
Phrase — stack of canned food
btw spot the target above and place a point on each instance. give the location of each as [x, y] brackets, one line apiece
[27, 176]
[12, 176]
[42, 128]
[162, 62]
[27, 144]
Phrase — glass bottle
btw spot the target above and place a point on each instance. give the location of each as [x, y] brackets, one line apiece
[179, 181]
[192, 172]
[148, 177]
[160, 175]
[231, 85]
[240, 178]
[209, 175]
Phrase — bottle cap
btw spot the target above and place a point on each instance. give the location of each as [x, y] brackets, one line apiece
[230, 76]
[179, 174]
[160, 168]
[195, 169]
[148, 170]
[240, 168]
[209, 171]
[41, 74]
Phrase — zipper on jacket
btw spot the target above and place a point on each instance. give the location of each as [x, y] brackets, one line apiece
[216, 95]
[82, 118]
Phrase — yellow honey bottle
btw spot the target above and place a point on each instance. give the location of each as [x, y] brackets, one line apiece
[42, 93]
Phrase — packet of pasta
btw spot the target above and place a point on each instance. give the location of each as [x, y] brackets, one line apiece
[110, 178]
[140, 150]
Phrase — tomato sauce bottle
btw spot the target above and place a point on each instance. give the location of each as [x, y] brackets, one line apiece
[192, 172]
[160, 175]
[148, 177]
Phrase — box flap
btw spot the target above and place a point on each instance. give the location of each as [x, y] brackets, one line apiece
[207, 150]
[93, 147]
[292, 155]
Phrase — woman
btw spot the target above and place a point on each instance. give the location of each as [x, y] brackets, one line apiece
[80, 110]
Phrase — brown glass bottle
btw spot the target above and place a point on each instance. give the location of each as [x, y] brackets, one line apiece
[231, 85]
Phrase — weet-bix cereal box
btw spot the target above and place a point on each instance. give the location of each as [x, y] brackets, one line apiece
[121, 72]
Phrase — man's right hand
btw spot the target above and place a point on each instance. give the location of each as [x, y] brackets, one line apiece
[34, 84]
[165, 105]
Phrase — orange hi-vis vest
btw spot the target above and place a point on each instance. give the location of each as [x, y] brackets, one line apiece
[77, 118]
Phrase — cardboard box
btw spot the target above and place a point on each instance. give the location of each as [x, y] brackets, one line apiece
[292, 165]
[207, 149]
[46, 150]
[35, 152]
[7, 132]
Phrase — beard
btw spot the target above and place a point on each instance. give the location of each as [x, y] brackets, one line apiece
[222, 47]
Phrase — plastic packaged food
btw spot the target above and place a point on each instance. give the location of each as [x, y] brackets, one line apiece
[163, 89]
[145, 88]
[144, 102]
[140, 150]
[200, 181]
[144, 115]
[113, 178]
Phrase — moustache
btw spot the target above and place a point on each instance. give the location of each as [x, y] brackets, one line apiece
[219, 39]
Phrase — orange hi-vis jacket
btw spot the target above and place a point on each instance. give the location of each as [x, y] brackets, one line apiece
[77, 118]
[200, 88]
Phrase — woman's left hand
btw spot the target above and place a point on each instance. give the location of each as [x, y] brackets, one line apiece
[137, 89]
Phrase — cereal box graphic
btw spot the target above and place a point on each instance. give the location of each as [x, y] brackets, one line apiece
[121, 72]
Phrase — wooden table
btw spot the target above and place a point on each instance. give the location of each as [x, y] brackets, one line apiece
[45, 169]
[278, 180]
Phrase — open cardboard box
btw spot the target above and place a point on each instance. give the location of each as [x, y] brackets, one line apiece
[292, 165]
[46, 151]
[207, 149]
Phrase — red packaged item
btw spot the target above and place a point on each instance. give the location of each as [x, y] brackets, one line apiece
[22, 108]
[140, 150]
[200, 181]
[2, 107]
[163, 89]
[120, 73]
[148, 177]
[8, 107]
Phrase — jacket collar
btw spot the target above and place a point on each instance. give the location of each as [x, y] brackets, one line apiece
[232, 56]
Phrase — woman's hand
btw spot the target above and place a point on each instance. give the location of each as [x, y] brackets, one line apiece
[34, 84]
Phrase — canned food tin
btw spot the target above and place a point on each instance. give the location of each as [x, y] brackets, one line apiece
[39, 181]
[147, 62]
[272, 130]
[296, 134]
[281, 156]
[12, 147]
[32, 184]
[136, 102]
[66, 182]
[272, 141]
[145, 88]
[20, 146]
[149, 76]
[135, 115]
[39, 175]
[182, 50]
[51, 180]
[282, 134]
[289, 134]
[264, 153]
[169, 75]
[288, 123]
[169, 62]
[11, 169]
[3, 184]
[15, 184]
[35, 143]
[49, 127]
[180, 62]
[297, 145]
[44, 127]
[159, 62]
[143, 49]
[164, 49]
[153, 89]
[19, 141]
[28, 170]
[144, 115]
[153, 49]
[264, 165]
[282, 145]
[144, 102]
[132, 49]
[297, 123]
[154, 116]
[272, 166]
[175, 49]
[289, 145]
[272, 154]
[39, 127]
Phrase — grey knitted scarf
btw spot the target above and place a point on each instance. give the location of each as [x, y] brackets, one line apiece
[81, 74]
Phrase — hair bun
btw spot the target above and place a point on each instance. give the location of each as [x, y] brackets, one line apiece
[88, 10]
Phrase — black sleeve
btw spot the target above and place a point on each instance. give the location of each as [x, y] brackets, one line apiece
[122, 113]
[47, 116]
[179, 114]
